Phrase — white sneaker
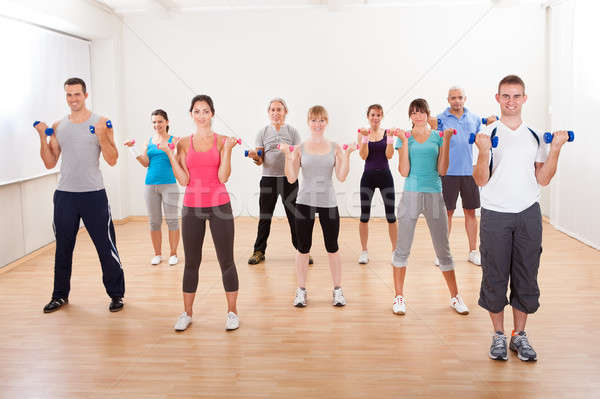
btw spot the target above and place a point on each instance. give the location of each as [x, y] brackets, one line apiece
[399, 306]
[173, 260]
[475, 258]
[300, 300]
[338, 297]
[156, 260]
[183, 322]
[363, 259]
[436, 262]
[233, 322]
[457, 304]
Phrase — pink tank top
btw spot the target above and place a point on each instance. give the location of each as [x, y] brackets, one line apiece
[204, 188]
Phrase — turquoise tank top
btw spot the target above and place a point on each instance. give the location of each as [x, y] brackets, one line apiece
[159, 169]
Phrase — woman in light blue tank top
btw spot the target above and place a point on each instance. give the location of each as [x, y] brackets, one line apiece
[423, 159]
[161, 190]
[319, 158]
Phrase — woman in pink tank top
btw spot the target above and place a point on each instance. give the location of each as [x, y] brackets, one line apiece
[203, 164]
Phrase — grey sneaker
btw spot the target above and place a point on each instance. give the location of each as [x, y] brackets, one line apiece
[300, 300]
[520, 344]
[232, 322]
[183, 322]
[338, 297]
[498, 350]
[363, 259]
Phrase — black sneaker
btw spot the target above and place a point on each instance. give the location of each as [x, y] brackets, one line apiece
[116, 304]
[55, 304]
[256, 258]
[520, 344]
[310, 260]
[498, 349]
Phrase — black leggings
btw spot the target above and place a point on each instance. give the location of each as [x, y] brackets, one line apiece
[383, 180]
[193, 228]
[305, 220]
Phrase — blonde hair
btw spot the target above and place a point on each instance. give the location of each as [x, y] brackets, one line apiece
[318, 111]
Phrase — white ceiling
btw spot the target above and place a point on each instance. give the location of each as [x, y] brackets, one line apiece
[128, 7]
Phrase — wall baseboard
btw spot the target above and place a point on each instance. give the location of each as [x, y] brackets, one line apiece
[576, 237]
[52, 245]
[128, 219]
[27, 257]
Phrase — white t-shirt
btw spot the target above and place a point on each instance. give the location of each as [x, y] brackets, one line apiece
[512, 187]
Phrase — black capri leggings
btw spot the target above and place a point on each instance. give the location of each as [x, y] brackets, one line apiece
[383, 180]
[193, 228]
[305, 220]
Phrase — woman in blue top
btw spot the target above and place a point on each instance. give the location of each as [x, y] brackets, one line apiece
[161, 188]
[423, 157]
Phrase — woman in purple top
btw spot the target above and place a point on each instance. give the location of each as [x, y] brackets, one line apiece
[376, 148]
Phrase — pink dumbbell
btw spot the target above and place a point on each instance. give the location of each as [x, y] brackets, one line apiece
[170, 145]
[239, 141]
[291, 147]
[345, 147]
[441, 132]
[406, 134]
[132, 141]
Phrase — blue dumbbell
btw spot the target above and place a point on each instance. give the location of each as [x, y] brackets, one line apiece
[494, 140]
[485, 120]
[259, 152]
[549, 136]
[49, 131]
[108, 125]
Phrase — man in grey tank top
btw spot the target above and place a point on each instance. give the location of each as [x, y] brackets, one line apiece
[273, 182]
[81, 137]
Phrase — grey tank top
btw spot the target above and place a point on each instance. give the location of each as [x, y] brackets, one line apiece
[317, 179]
[80, 151]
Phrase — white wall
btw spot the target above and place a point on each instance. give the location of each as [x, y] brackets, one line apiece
[343, 60]
[26, 213]
[575, 101]
[26, 208]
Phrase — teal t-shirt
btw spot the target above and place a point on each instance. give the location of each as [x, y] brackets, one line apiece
[423, 176]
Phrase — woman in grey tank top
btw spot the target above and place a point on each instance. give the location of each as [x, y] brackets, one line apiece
[318, 158]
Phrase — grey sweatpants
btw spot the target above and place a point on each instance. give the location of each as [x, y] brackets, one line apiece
[432, 206]
[511, 247]
[159, 197]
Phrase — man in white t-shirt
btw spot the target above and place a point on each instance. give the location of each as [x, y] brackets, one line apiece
[511, 222]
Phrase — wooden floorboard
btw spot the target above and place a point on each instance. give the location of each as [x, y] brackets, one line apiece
[361, 350]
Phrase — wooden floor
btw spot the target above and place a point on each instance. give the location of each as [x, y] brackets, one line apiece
[361, 350]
